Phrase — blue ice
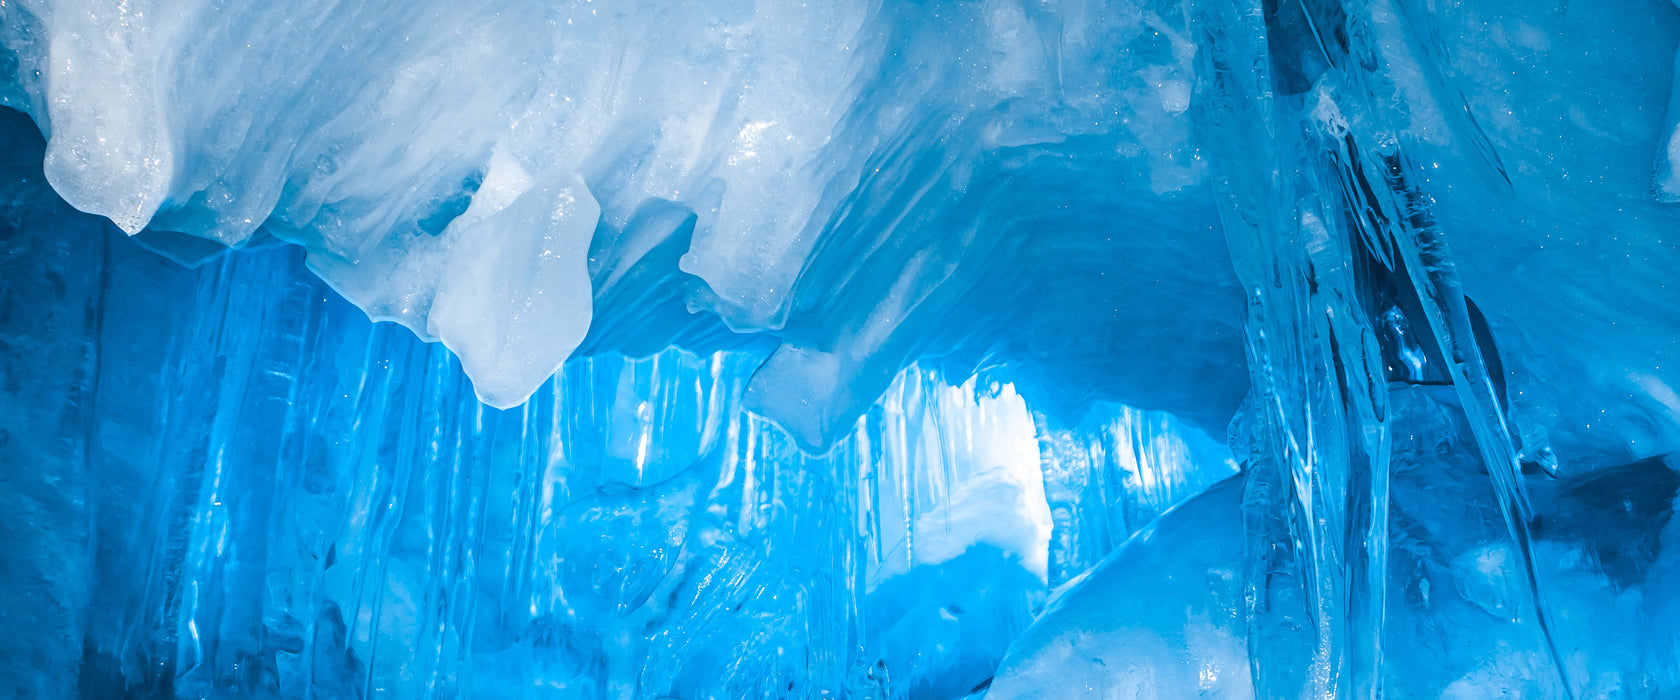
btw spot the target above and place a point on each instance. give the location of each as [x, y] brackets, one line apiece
[972, 349]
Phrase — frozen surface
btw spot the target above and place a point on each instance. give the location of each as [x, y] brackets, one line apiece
[848, 349]
[873, 183]
[270, 496]
[1165, 616]
[855, 187]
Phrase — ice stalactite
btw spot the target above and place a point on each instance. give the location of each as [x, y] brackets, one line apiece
[1315, 426]
[862, 348]
[1352, 292]
[274, 497]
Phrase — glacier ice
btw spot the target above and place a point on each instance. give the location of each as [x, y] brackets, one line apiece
[990, 348]
[789, 132]
[342, 518]
[1166, 615]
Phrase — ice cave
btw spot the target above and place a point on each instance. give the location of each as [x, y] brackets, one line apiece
[868, 349]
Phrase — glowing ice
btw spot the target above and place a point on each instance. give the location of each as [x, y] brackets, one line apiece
[839, 349]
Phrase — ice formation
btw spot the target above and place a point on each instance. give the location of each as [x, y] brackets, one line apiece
[990, 348]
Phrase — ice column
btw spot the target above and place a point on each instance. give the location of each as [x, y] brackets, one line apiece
[1350, 288]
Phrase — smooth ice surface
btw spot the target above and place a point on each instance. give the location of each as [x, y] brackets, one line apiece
[1160, 618]
[853, 349]
[1165, 615]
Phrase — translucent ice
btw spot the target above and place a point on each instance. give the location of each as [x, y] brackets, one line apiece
[1168, 614]
[282, 499]
[864, 349]
[856, 173]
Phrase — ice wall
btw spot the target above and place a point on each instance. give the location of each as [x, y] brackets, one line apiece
[870, 183]
[1169, 615]
[234, 485]
[865, 194]
[885, 322]
[1359, 299]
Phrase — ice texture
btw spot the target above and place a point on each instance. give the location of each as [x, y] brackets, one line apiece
[270, 496]
[855, 187]
[991, 348]
[1166, 614]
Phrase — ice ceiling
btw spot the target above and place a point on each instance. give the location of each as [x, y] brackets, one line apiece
[1004, 349]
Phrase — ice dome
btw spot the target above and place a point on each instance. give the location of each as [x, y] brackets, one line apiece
[768, 349]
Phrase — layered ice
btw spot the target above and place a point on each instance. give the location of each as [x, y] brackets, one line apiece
[864, 349]
[855, 187]
[1166, 615]
[271, 497]
[865, 180]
